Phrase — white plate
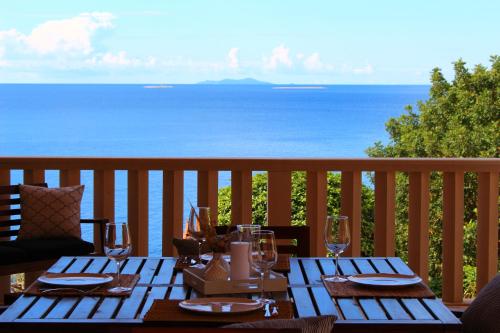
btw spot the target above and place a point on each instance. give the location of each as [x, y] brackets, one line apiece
[75, 279]
[221, 305]
[209, 256]
[385, 280]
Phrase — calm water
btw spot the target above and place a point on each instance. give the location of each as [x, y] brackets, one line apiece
[192, 121]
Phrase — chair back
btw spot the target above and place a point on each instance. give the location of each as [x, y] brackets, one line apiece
[297, 238]
[10, 210]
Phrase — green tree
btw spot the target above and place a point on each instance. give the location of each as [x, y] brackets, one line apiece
[259, 204]
[460, 119]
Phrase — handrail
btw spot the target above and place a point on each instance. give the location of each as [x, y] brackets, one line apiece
[257, 163]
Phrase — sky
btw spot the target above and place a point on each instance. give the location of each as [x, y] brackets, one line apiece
[187, 41]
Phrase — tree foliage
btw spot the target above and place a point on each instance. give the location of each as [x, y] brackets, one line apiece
[259, 204]
[460, 119]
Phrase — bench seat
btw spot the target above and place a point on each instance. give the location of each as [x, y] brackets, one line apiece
[42, 249]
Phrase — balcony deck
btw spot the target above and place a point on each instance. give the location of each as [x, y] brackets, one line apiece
[279, 200]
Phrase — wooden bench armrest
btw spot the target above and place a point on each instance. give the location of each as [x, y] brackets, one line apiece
[102, 229]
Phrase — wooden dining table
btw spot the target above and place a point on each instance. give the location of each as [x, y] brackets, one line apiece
[159, 280]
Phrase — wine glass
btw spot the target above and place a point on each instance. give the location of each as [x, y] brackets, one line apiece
[245, 231]
[263, 256]
[117, 247]
[198, 223]
[337, 239]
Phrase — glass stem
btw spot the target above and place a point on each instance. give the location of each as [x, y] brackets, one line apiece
[199, 252]
[262, 292]
[337, 275]
[118, 267]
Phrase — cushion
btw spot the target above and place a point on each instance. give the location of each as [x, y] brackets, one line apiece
[11, 255]
[321, 324]
[40, 249]
[483, 313]
[50, 212]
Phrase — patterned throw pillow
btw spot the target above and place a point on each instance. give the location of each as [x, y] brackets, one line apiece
[50, 212]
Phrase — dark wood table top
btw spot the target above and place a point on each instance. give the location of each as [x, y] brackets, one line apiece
[158, 281]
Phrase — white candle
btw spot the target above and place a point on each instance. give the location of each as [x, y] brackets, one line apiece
[240, 267]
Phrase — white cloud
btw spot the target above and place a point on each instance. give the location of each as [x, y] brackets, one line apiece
[119, 59]
[67, 36]
[368, 69]
[279, 56]
[300, 56]
[313, 62]
[232, 56]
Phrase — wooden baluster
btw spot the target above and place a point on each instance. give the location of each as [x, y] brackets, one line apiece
[4, 280]
[453, 232]
[104, 200]
[33, 176]
[69, 177]
[241, 197]
[173, 208]
[350, 206]
[385, 193]
[208, 192]
[279, 198]
[487, 228]
[4, 180]
[138, 211]
[418, 232]
[316, 210]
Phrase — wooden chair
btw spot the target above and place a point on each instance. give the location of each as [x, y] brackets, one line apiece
[29, 256]
[300, 234]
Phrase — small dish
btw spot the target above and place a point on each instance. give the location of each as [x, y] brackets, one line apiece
[220, 305]
[385, 280]
[75, 279]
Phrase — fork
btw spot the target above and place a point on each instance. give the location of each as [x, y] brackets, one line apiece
[82, 291]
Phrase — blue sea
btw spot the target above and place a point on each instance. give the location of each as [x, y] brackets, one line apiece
[192, 121]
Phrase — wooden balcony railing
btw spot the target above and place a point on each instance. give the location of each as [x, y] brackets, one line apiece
[279, 200]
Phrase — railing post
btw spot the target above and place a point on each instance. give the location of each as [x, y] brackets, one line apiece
[4, 280]
[453, 232]
[69, 177]
[138, 211]
[104, 200]
[241, 197]
[208, 192]
[316, 210]
[385, 217]
[487, 228]
[173, 208]
[350, 206]
[279, 198]
[33, 176]
[418, 230]
[4, 180]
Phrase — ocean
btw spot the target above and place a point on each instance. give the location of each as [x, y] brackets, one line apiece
[192, 121]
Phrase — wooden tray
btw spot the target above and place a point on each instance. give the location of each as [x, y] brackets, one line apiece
[194, 278]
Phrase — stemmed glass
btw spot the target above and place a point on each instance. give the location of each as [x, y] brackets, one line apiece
[263, 256]
[337, 239]
[198, 223]
[117, 247]
[245, 231]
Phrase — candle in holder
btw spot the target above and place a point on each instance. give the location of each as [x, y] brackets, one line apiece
[240, 267]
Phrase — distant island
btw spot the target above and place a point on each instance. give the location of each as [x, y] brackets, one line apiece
[247, 80]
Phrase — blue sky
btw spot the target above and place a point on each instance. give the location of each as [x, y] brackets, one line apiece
[186, 41]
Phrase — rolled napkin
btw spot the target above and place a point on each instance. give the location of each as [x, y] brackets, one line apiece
[240, 267]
